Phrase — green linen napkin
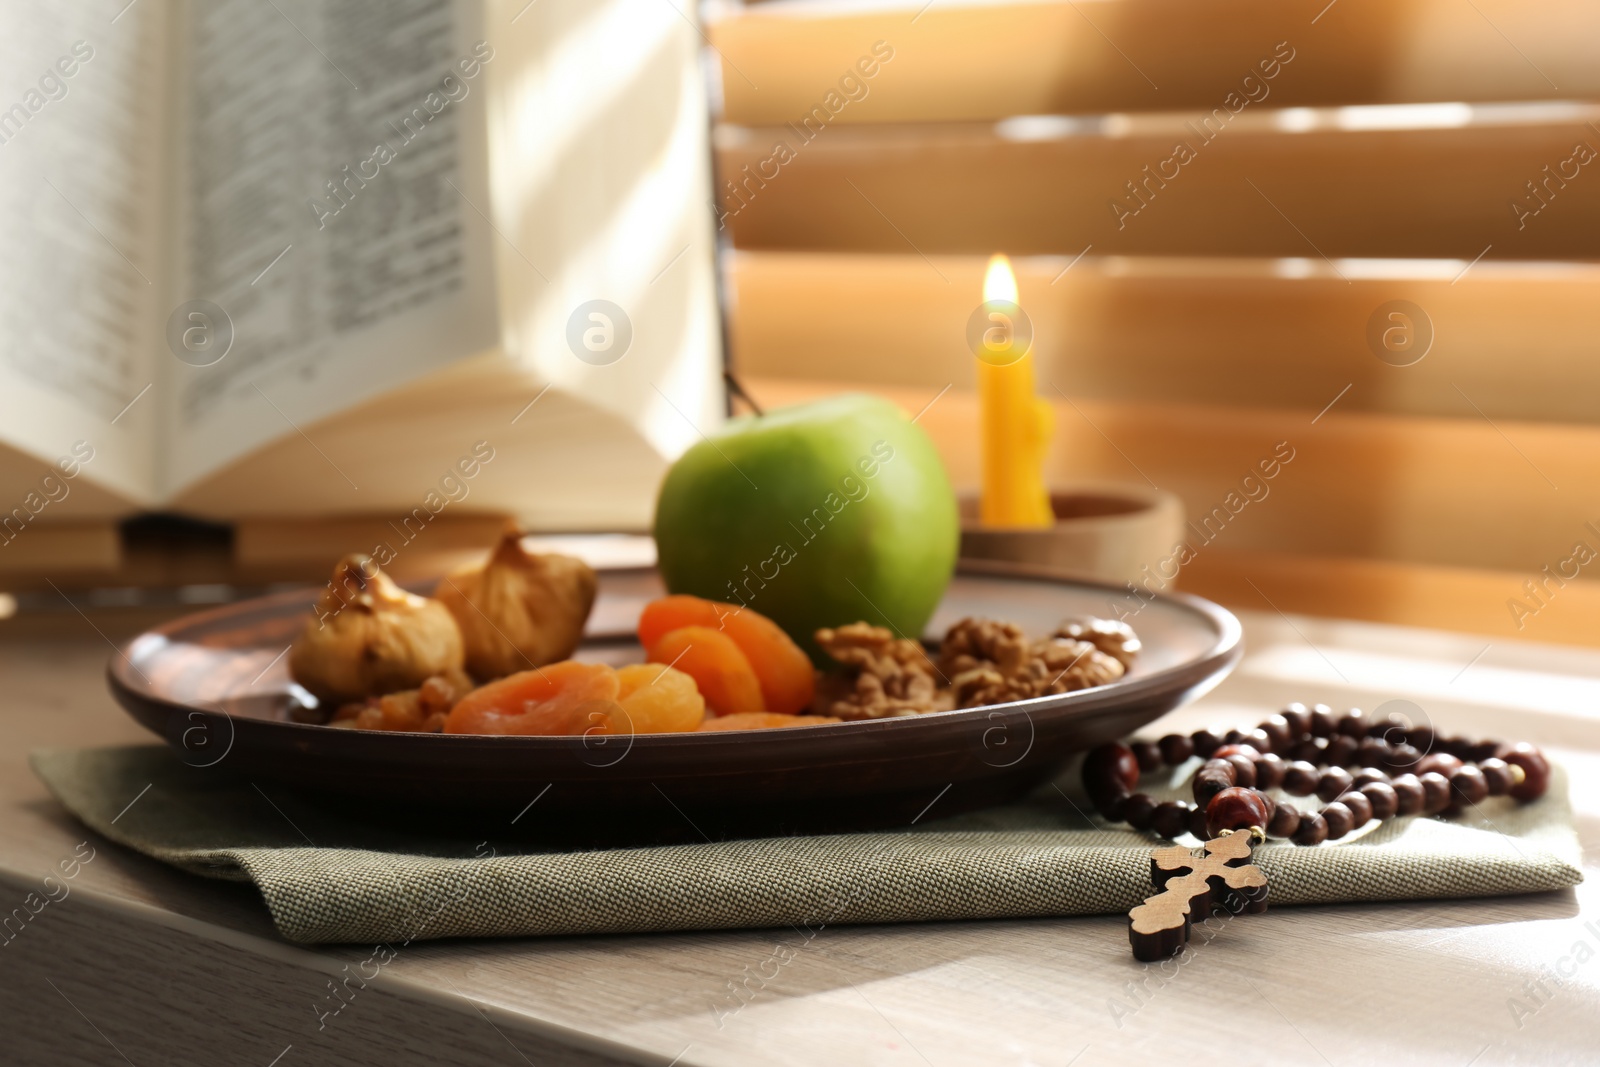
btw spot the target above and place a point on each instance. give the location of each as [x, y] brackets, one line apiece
[331, 879]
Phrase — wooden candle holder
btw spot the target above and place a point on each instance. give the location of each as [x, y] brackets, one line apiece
[1105, 532]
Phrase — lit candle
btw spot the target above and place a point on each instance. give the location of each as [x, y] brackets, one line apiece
[1015, 423]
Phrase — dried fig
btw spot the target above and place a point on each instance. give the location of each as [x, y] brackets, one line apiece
[519, 609]
[371, 637]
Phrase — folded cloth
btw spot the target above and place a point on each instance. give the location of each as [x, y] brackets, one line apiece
[375, 882]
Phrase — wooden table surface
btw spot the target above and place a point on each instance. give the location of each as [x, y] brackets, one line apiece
[143, 965]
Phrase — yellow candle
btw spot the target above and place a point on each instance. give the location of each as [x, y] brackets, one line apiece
[1015, 423]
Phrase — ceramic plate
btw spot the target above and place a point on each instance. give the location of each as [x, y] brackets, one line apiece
[216, 686]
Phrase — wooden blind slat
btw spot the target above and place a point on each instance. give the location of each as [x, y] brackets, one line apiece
[1509, 341]
[989, 61]
[1253, 189]
[1402, 594]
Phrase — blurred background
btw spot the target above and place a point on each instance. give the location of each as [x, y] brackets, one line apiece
[1358, 234]
[1190, 313]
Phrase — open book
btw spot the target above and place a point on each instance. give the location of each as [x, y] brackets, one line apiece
[331, 257]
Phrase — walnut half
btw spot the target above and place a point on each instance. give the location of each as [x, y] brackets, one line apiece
[1112, 636]
[992, 662]
[887, 675]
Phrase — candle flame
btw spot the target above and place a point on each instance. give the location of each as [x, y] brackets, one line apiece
[998, 281]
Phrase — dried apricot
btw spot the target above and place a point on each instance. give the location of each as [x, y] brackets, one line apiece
[719, 669]
[657, 699]
[785, 673]
[558, 699]
[763, 720]
[672, 612]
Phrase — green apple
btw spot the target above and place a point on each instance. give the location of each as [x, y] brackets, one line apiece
[815, 515]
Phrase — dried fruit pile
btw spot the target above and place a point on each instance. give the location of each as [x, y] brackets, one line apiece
[390, 660]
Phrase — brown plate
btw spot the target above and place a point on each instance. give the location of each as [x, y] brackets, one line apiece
[216, 686]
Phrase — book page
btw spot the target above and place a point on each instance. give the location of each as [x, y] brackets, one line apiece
[333, 173]
[82, 102]
[603, 193]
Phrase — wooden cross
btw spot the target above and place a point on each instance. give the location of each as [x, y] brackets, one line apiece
[1159, 927]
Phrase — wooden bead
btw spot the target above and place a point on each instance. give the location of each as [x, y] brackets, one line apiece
[1213, 777]
[1147, 755]
[1360, 808]
[1383, 798]
[1208, 786]
[1420, 737]
[1285, 821]
[1300, 779]
[1248, 751]
[1298, 717]
[1278, 732]
[1259, 739]
[1313, 829]
[1197, 823]
[1497, 775]
[1439, 762]
[1270, 770]
[1369, 774]
[1435, 792]
[1403, 757]
[1138, 810]
[1341, 751]
[1323, 724]
[1339, 819]
[1408, 792]
[1334, 780]
[1482, 750]
[1372, 752]
[1386, 728]
[1205, 743]
[1175, 748]
[1235, 809]
[1110, 805]
[1469, 785]
[1535, 770]
[1353, 724]
[1171, 819]
[1233, 737]
[1244, 770]
[1110, 771]
[1308, 750]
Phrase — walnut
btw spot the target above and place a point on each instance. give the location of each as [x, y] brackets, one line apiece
[888, 676]
[993, 663]
[973, 642]
[1111, 636]
[419, 710]
[873, 648]
[981, 661]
